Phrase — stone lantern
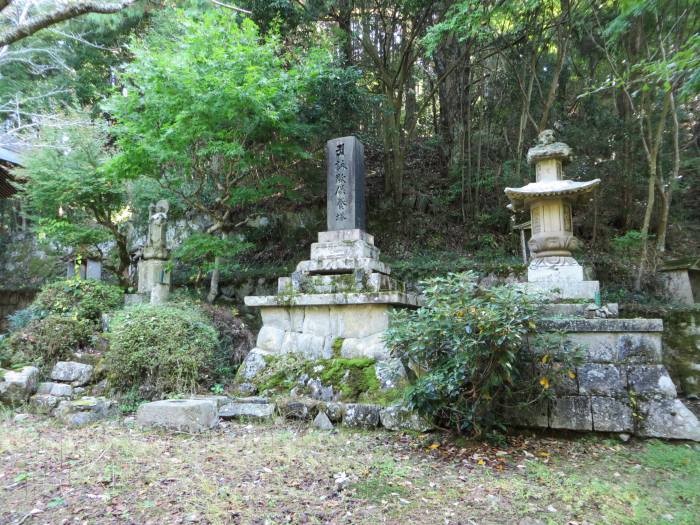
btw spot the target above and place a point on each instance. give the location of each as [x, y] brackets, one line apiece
[550, 200]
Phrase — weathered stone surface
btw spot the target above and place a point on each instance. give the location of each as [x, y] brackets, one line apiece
[55, 389]
[565, 290]
[532, 415]
[602, 325]
[572, 413]
[160, 293]
[669, 419]
[601, 379]
[17, 386]
[85, 410]
[390, 372]
[346, 184]
[372, 347]
[150, 273]
[343, 250]
[294, 409]
[361, 416]
[131, 299]
[270, 339]
[345, 235]
[611, 415]
[250, 409]
[322, 422]
[309, 346]
[219, 401]
[384, 297]
[639, 348]
[317, 321]
[276, 317]
[78, 374]
[334, 411]
[358, 321]
[189, 415]
[253, 363]
[651, 381]
[43, 403]
[398, 417]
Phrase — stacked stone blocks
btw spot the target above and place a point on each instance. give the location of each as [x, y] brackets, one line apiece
[620, 385]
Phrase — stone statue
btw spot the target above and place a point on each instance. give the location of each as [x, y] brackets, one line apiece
[157, 229]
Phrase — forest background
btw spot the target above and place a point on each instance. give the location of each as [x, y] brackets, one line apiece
[225, 109]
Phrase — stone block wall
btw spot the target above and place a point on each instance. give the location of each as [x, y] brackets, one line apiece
[621, 384]
[322, 331]
[10, 302]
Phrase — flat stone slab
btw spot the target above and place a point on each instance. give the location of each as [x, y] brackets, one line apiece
[601, 325]
[251, 409]
[566, 289]
[394, 298]
[188, 415]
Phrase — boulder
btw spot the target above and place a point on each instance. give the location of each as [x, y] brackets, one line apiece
[668, 419]
[252, 365]
[77, 374]
[85, 410]
[398, 417]
[297, 409]
[390, 372]
[17, 386]
[189, 415]
[359, 415]
[44, 403]
[322, 422]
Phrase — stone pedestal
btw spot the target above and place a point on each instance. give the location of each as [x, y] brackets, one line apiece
[152, 272]
[620, 385]
[336, 304]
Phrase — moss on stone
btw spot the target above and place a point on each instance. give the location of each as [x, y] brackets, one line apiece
[352, 378]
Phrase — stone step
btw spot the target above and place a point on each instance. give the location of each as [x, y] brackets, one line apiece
[255, 407]
[343, 250]
[587, 310]
[343, 265]
[355, 282]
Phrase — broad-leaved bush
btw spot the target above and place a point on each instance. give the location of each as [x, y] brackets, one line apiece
[465, 348]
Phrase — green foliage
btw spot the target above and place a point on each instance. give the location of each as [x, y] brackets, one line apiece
[160, 350]
[465, 347]
[79, 298]
[21, 318]
[73, 200]
[203, 251]
[54, 338]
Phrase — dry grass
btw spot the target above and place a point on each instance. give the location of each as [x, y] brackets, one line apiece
[285, 473]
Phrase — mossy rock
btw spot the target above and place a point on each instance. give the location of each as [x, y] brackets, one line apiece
[353, 379]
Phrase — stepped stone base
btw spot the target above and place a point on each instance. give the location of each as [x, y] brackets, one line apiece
[336, 304]
[620, 386]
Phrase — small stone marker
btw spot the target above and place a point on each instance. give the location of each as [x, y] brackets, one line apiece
[346, 184]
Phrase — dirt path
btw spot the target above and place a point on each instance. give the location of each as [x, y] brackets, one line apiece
[270, 474]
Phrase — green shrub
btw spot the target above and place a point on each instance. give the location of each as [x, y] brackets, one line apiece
[160, 350]
[81, 298]
[465, 347]
[44, 341]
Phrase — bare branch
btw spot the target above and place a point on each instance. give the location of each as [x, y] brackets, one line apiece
[232, 7]
[66, 12]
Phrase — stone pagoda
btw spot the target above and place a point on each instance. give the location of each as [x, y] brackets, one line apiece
[337, 303]
[550, 200]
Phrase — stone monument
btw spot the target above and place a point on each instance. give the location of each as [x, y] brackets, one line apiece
[621, 384]
[550, 200]
[337, 303]
[153, 273]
